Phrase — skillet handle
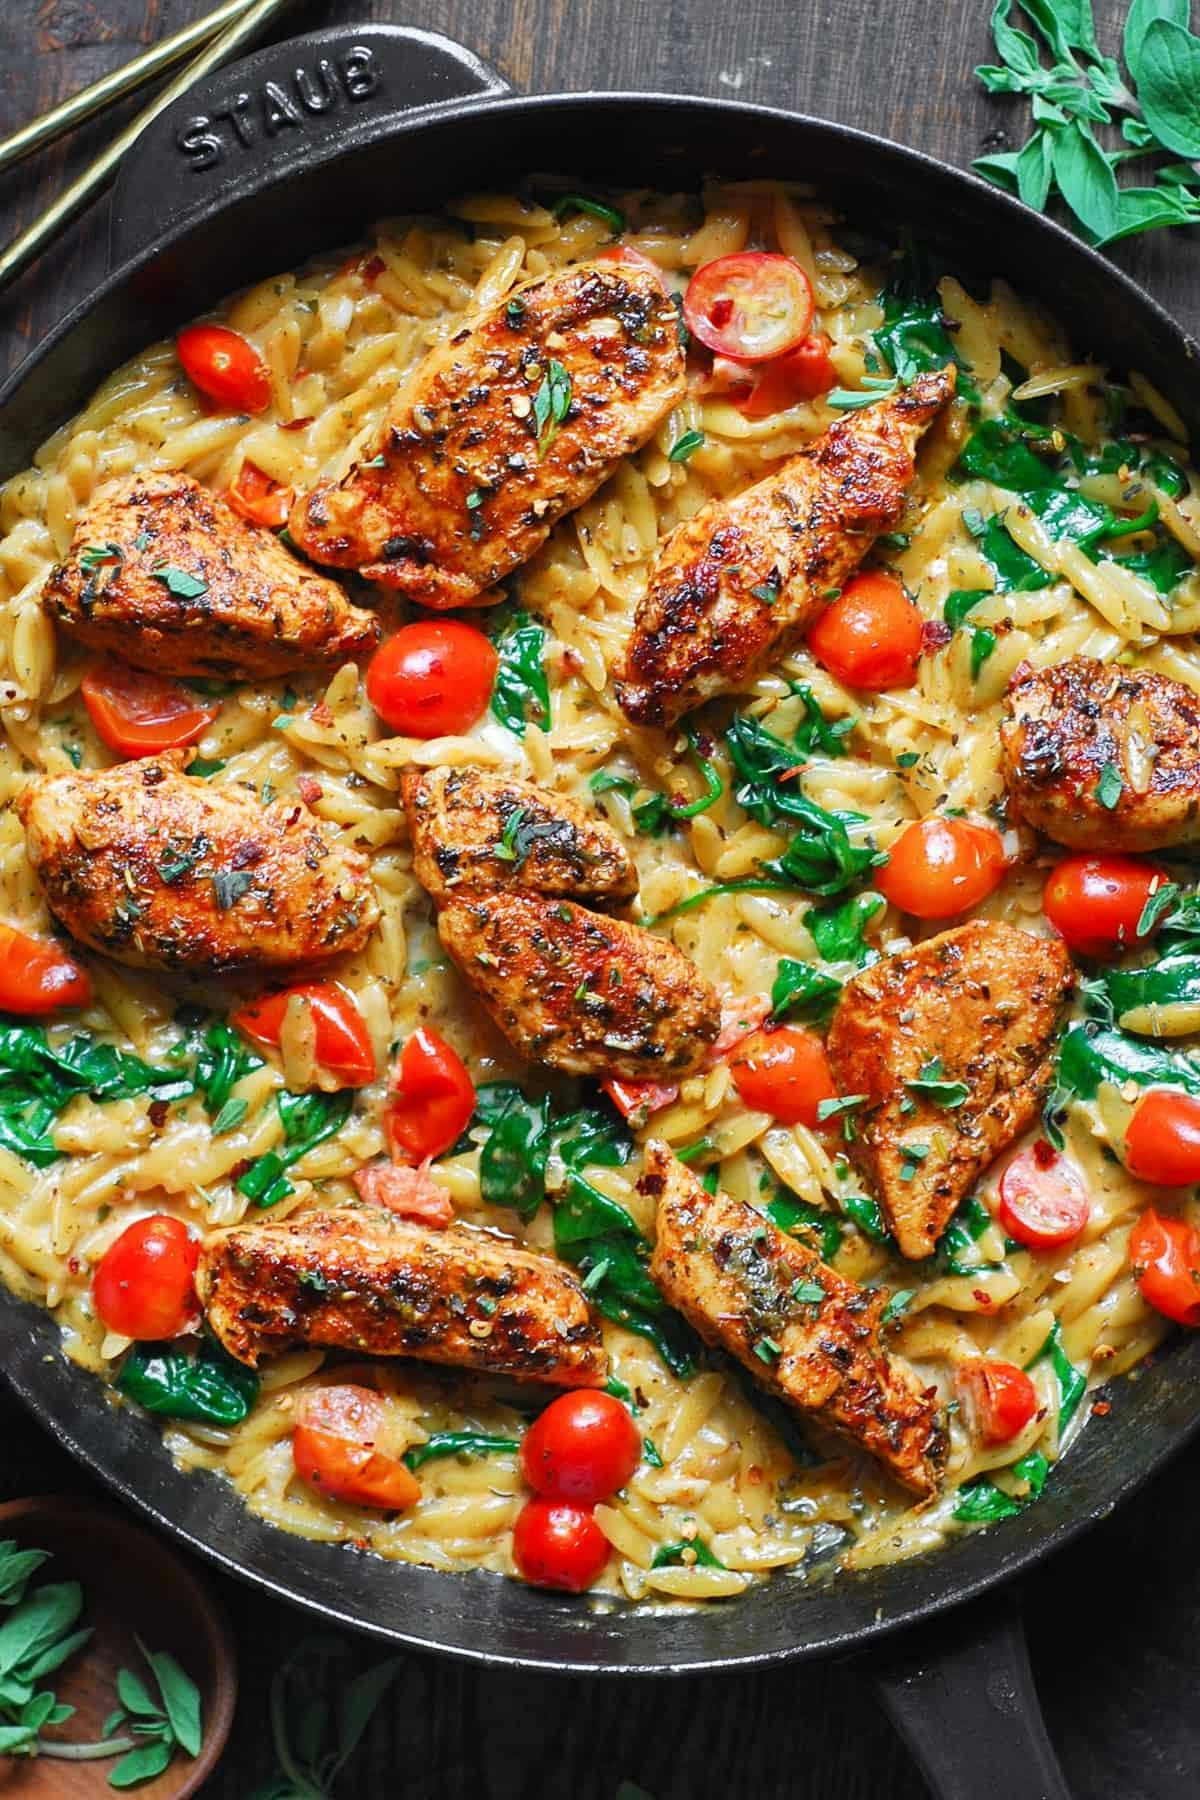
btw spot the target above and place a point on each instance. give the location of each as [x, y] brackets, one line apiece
[291, 105]
[961, 1694]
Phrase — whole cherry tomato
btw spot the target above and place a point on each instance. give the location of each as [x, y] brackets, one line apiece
[342, 1041]
[1164, 1255]
[143, 1286]
[800, 374]
[37, 976]
[1043, 1202]
[1162, 1139]
[558, 1544]
[334, 1450]
[870, 636]
[785, 1073]
[1096, 902]
[259, 499]
[139, 714]
[997, 1399]
[583, 1447]
[433, 679]
[938, 867]
[225, 366]
[432, 1099]
[751, 306]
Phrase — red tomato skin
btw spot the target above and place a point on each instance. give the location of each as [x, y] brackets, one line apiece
[1162, 1139]
[433, 1098]
[583, 1447]
[714, 314]
[870, 636]
[629, 253]
[433, 678]
[998, 1398]
[343, 1043]
[333, 1448]
[37, 977]
[1164, 1254]
[1042, 1204]
[785, 1073]
[1095, 902]
[143, 1286]
[225, 367]
[557, 1544]
[638, 1099]
[804, 373]
[939, 867]
[139, 714]
[258, 499]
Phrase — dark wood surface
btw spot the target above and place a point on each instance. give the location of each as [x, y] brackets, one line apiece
[1112, 1623]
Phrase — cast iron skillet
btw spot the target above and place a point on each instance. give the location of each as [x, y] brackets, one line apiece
[292, 151]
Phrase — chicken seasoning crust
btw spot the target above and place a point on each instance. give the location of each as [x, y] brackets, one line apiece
[768, 1012]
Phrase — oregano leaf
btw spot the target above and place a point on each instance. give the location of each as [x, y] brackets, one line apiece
[1169, 85]
[1141, 16]
[1088, 184]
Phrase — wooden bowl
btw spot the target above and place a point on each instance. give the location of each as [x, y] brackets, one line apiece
[132, 1585]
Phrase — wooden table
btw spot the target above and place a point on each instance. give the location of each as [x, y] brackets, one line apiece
[1112, 1623]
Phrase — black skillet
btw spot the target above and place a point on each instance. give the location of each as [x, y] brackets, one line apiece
[295, 150]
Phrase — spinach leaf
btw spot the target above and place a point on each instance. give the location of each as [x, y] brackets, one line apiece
[1016, 571]
[817, 733]
[804, 990]
[670, 1556]
[308, 1119]
[914, 337]
[958, 1247]
[864, 1211]
[1072, 1382]
[521, 694]
[981, 1502]
[460, 1443]
[958, 604]
[1089, 1055]
[512, 1162]
[800, 1218]
[38, 1082]
[222, 1058]
[820, 858]
[199, 1382]
[839, 932]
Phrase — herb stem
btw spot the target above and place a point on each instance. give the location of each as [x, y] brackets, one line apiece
[710, 893]
[84, 1752]
[714, 787]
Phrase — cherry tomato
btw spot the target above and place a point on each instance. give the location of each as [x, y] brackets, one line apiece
[750, 306]
[139, 714]
[583, 1447]
[433, 1098]
[432, 679]
[557, 1544]
[1095, 902]
[638, 1099]
[256, 497]
[343, 1043]
[1162, 1139]
[413, 1193]
[629, 253]
[333, 1448]
[998, 1399]
[870, 636]
[36, 976]
[800, 374]
[785, 1073]
[223, 365]
[938, 867]
[1043, 1202]
[1164, 1255]
[143, 1286]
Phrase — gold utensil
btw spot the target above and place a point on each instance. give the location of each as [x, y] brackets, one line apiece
[26, 248]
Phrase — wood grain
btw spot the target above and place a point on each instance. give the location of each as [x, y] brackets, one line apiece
[1113, 1622]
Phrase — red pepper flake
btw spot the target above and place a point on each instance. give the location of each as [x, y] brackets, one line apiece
[310, 789]
[320, 714]
[74, 1264]
[1101, 1408]
[295, 424]
[984, 1299]
[157, 1113]
[1023, 669]
[239, 1168]
[372, 268]
[935, 635]
[1044, 1154]
[789, 774]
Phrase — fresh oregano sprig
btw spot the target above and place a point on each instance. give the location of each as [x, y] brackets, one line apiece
[317, 1719]
[1074, 89]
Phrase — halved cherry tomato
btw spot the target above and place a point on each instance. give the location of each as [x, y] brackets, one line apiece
[938, 867]
[333, 1447]
[629, 253]
[432, 679]
[1043, 1202]
[256, 497]
[433, 1098]
[1162, 1139]
[750, 306]
[638, 1099]
[583, 1447]
[139, 714]
[143, 1286]
[557, 1544]
[412, 1193]
[342, 1041]
[223, 365]
[800, 374]
[37, 976]
[1164, 1255]
[1095, 902]
[785, 1073]
[870, 636]
[997, 1399]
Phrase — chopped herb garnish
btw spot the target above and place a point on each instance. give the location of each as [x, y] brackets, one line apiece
[841, 1103]
[933, 1083]
[899, 1303]
[551, 404]
[611, 216]
[1110, 786]
[229, 885]
[179, 582]
[230, 1116]
[685, 446]
[911, 1158]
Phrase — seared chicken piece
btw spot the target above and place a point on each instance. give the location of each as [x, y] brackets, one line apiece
[745, 578]
[165, 575]
[1104, 758]
[362, 1279]
[807, 1335]
[472, 830]
[580, 992]
[497, 433]
[976, 1006]
[161, 870]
